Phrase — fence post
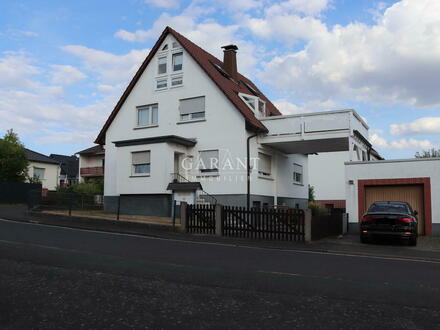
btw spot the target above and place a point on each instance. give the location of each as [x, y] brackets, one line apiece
[218, 220]
[344, 223]
[184, 216]
[308, 225]
[70, 205]
[119, 207]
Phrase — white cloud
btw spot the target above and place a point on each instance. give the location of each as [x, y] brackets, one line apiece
[38, 110]
[202, 34]
[66, 74]
[289, 108]
[163, 3]
[425, 125]
[397, 60]
[307, 7]
[17, 71]
[409, 144]
[286, 28]
[378, 141]
[16, 33]
[111, 68]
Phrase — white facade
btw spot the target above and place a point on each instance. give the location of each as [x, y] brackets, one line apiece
[327, 174]
[392, 169]
[222, 129]
[47, 173]
[330, 139]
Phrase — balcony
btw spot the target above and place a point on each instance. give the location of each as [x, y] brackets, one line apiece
[313, 132]
[92, 171]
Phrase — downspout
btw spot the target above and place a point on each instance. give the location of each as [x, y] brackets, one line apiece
[248, 166]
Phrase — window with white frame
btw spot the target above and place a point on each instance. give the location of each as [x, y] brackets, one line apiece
[162, 65]
[250, 101]
[176, 81]
[356, 150]
[261, 108]
[161, 83]
[147, 115]
[39, 173]
[192, 109]
[297, 174]
[364, 155]
[177, 61]
[140, 163]
[264, 164]
[208, 161]
[175, 44]
[257, 105]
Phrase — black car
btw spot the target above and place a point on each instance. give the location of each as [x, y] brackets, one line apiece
[392, 219]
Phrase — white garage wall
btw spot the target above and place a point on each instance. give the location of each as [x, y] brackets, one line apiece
[392, 169]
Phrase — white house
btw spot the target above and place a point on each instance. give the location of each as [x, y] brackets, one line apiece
[327, 169]
[43, 168]
[416, 181]
[189, 125]
[91, 163]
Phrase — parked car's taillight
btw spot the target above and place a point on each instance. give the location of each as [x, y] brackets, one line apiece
[367, 219]
[406, 219]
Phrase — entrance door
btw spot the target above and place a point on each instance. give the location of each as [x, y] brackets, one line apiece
[412, 194]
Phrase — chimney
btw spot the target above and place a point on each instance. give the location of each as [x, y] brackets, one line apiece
[230, 60]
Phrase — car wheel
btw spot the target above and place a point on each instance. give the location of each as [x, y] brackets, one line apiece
[412, 241]
[364, 240]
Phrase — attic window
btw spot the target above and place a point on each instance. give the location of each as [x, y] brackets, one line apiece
[175, 44]
[250, 88]
[220, 69]
[165, 47]
[250, 101]
[257, 105]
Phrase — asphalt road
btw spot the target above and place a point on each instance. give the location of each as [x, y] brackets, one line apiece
[56, 278]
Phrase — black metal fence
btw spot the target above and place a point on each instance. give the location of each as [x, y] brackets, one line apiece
[201, 219]
[272, 224]
[20, 193]
[68, 202]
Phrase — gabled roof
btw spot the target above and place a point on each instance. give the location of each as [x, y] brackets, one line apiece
[69, 164]
[229, 87]
[92, 150]
[34, 156]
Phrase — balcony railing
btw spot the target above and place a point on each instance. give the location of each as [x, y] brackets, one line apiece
[92, 171]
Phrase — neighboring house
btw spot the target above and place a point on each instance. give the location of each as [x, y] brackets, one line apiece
[44, 169]
[327, 170]
[184, 126]
[416, 181]
[91, 163]
[69, 173]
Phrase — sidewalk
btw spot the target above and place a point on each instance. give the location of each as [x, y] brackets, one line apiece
[428, 248]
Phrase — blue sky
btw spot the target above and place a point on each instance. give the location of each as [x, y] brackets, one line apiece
[63, 65]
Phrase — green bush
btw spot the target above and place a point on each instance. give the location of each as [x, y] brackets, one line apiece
[95, 187]
[317, 209]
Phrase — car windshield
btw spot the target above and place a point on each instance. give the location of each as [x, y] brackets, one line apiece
[388, 208]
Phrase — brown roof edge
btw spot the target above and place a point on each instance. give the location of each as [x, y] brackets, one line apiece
[101, 136]
[252, 124]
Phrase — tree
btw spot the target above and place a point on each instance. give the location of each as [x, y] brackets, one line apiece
[311, 193]
[428, 153]
[13, 161]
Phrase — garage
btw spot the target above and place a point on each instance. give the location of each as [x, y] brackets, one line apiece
[412, 194]
[415, 181]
